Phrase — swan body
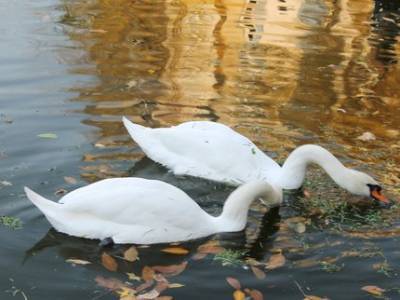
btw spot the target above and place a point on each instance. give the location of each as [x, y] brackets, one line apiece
[140, 211]
[214, 151]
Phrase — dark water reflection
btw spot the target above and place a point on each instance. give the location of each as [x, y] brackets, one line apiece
[283, 73]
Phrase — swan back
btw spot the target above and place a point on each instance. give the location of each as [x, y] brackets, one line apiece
[204, 149]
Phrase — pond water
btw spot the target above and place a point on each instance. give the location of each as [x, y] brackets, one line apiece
[281, 72]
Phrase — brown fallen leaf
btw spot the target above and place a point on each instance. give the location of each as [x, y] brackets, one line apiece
[75, 261]
[131, 254]
[199, 256]
[110, 283]
[260, 274]
[171, 270]
[239, 295]
[254, 294]
[233, 282]
[175, 250]
[147, 273]
[373, 290]
[165, 298]
[211, 247]
[275, 261]
[144, 286]
[108, 262]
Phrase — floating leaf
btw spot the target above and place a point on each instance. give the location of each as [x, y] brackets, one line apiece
[127, 293]
[175, 250]
[171, 270]
[260, 274]
[153, 294]
[175, 285]
[70, 180]
[78, 261]
[131, 254]
[147, 273]
[47, 135]
[275, 261]
[366, 136]
[132, 276]
[165, 298]
[199, 256]
[233, 282]
[60, 192]
[108, 262]
[5, 183]
[373, 290]
[211, 247]
[110, 283]
[238, 295]
[255, 294]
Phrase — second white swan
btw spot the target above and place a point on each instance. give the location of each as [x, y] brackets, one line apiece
[214, 151]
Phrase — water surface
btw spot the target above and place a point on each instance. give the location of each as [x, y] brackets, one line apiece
[283, 73]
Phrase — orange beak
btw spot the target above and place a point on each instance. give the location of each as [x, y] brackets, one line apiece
[379, 196]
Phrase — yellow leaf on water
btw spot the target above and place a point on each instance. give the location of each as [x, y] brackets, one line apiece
[131, 254]
[238, 295]
[78, 261]
[132, 276]
[175, 250]
[260, 274]
[108, 262]
[373, 290]
[275, 261]
[233, 282]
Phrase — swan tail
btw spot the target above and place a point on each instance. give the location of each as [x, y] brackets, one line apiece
[49, 208]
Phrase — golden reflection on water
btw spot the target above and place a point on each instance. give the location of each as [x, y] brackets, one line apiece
[281, 72]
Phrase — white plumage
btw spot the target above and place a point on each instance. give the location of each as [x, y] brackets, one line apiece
[136, 210]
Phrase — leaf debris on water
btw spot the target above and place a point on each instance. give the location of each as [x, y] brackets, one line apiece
[131, 254]
[175, 250]
[109, 262]
[47, 135]
[76, 261]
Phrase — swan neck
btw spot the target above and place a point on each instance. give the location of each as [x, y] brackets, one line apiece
[295, 167]
[234, 213]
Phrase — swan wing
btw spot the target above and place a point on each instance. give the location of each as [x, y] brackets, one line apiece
[205, 149]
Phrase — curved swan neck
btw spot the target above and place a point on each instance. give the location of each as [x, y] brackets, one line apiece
[295, 166]
[234, 213]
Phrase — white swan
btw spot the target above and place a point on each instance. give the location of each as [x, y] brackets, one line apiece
[214, 151]
[140, 211]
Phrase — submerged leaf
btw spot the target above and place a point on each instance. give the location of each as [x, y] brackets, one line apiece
[175, 250]
[211, 247]
[260, 274]
[131, 254]
[233, 282]
[108, 262]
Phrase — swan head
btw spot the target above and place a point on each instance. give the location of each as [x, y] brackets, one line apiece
[364, 185]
